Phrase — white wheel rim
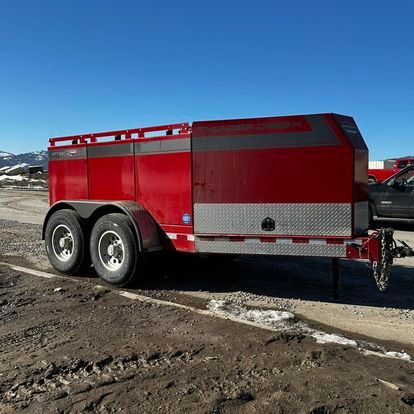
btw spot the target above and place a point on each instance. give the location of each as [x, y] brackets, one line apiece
[111, 250]
[63, 243]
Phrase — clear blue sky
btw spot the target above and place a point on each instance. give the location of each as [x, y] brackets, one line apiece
[91, 65]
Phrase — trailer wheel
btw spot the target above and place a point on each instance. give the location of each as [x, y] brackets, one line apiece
[113, 249]
[65, 243]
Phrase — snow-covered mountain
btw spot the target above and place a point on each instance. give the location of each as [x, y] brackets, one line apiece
[31, 158]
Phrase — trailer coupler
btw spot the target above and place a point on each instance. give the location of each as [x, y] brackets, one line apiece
[382, 257]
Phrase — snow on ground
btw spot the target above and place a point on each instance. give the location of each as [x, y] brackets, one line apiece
[5, 177]
[21, 181]
[286, 321]
[20, 177]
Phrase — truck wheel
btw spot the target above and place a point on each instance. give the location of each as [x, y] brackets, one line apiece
[65, 243]
[113, 249]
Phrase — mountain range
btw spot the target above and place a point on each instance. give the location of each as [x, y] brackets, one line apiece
[31, 158]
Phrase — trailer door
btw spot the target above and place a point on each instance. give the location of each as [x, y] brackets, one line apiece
[272, 176]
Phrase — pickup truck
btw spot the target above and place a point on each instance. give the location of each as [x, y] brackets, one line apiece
[393, 199]
[380, 174]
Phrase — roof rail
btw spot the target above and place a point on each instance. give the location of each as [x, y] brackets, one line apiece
[184, 128]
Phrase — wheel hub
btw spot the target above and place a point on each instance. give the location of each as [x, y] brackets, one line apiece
[65, 242]
[111, 250]
[114, 250]
[62, 242]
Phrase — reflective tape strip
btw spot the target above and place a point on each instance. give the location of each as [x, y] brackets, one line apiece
[175, 236]
[162, 146]
[284, 241]
[358, 242]
[317, 241]
[67, 154]
[279, 240]
[113, 150]
[320, 135]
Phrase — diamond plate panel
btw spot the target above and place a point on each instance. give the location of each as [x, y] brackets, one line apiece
[361, 217]
[313, 219]
[282, 249]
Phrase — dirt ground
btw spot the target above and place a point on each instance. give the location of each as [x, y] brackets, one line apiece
[71, 345]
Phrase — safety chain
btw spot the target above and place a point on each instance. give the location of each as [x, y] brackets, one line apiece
[382, 270]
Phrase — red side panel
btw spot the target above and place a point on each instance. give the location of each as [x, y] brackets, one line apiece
[68, 173]
[295, 159]
[163, 181]
[111, 170]
[284, 176]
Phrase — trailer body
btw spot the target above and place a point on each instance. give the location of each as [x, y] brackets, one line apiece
[293, 185]
[290, 185]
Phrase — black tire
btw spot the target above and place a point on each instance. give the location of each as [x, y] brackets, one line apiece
[73, 257]
[119, 265]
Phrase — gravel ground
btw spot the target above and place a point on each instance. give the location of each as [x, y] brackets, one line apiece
[302, 285]
[23, 241]
[69, 347]
[108, 354]
[23, 206]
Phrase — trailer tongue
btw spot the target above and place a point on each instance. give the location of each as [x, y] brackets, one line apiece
[262, 186]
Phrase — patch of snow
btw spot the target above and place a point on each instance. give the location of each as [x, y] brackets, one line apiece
[387, 354]
[6, 155]
[286, 321]
[398, 355]
[326, 338]
[269, 318]
[12, 177]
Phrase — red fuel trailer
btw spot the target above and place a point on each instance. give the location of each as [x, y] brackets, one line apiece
[267, 186]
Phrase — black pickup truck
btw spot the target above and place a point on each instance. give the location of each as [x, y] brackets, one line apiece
[393, 199]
